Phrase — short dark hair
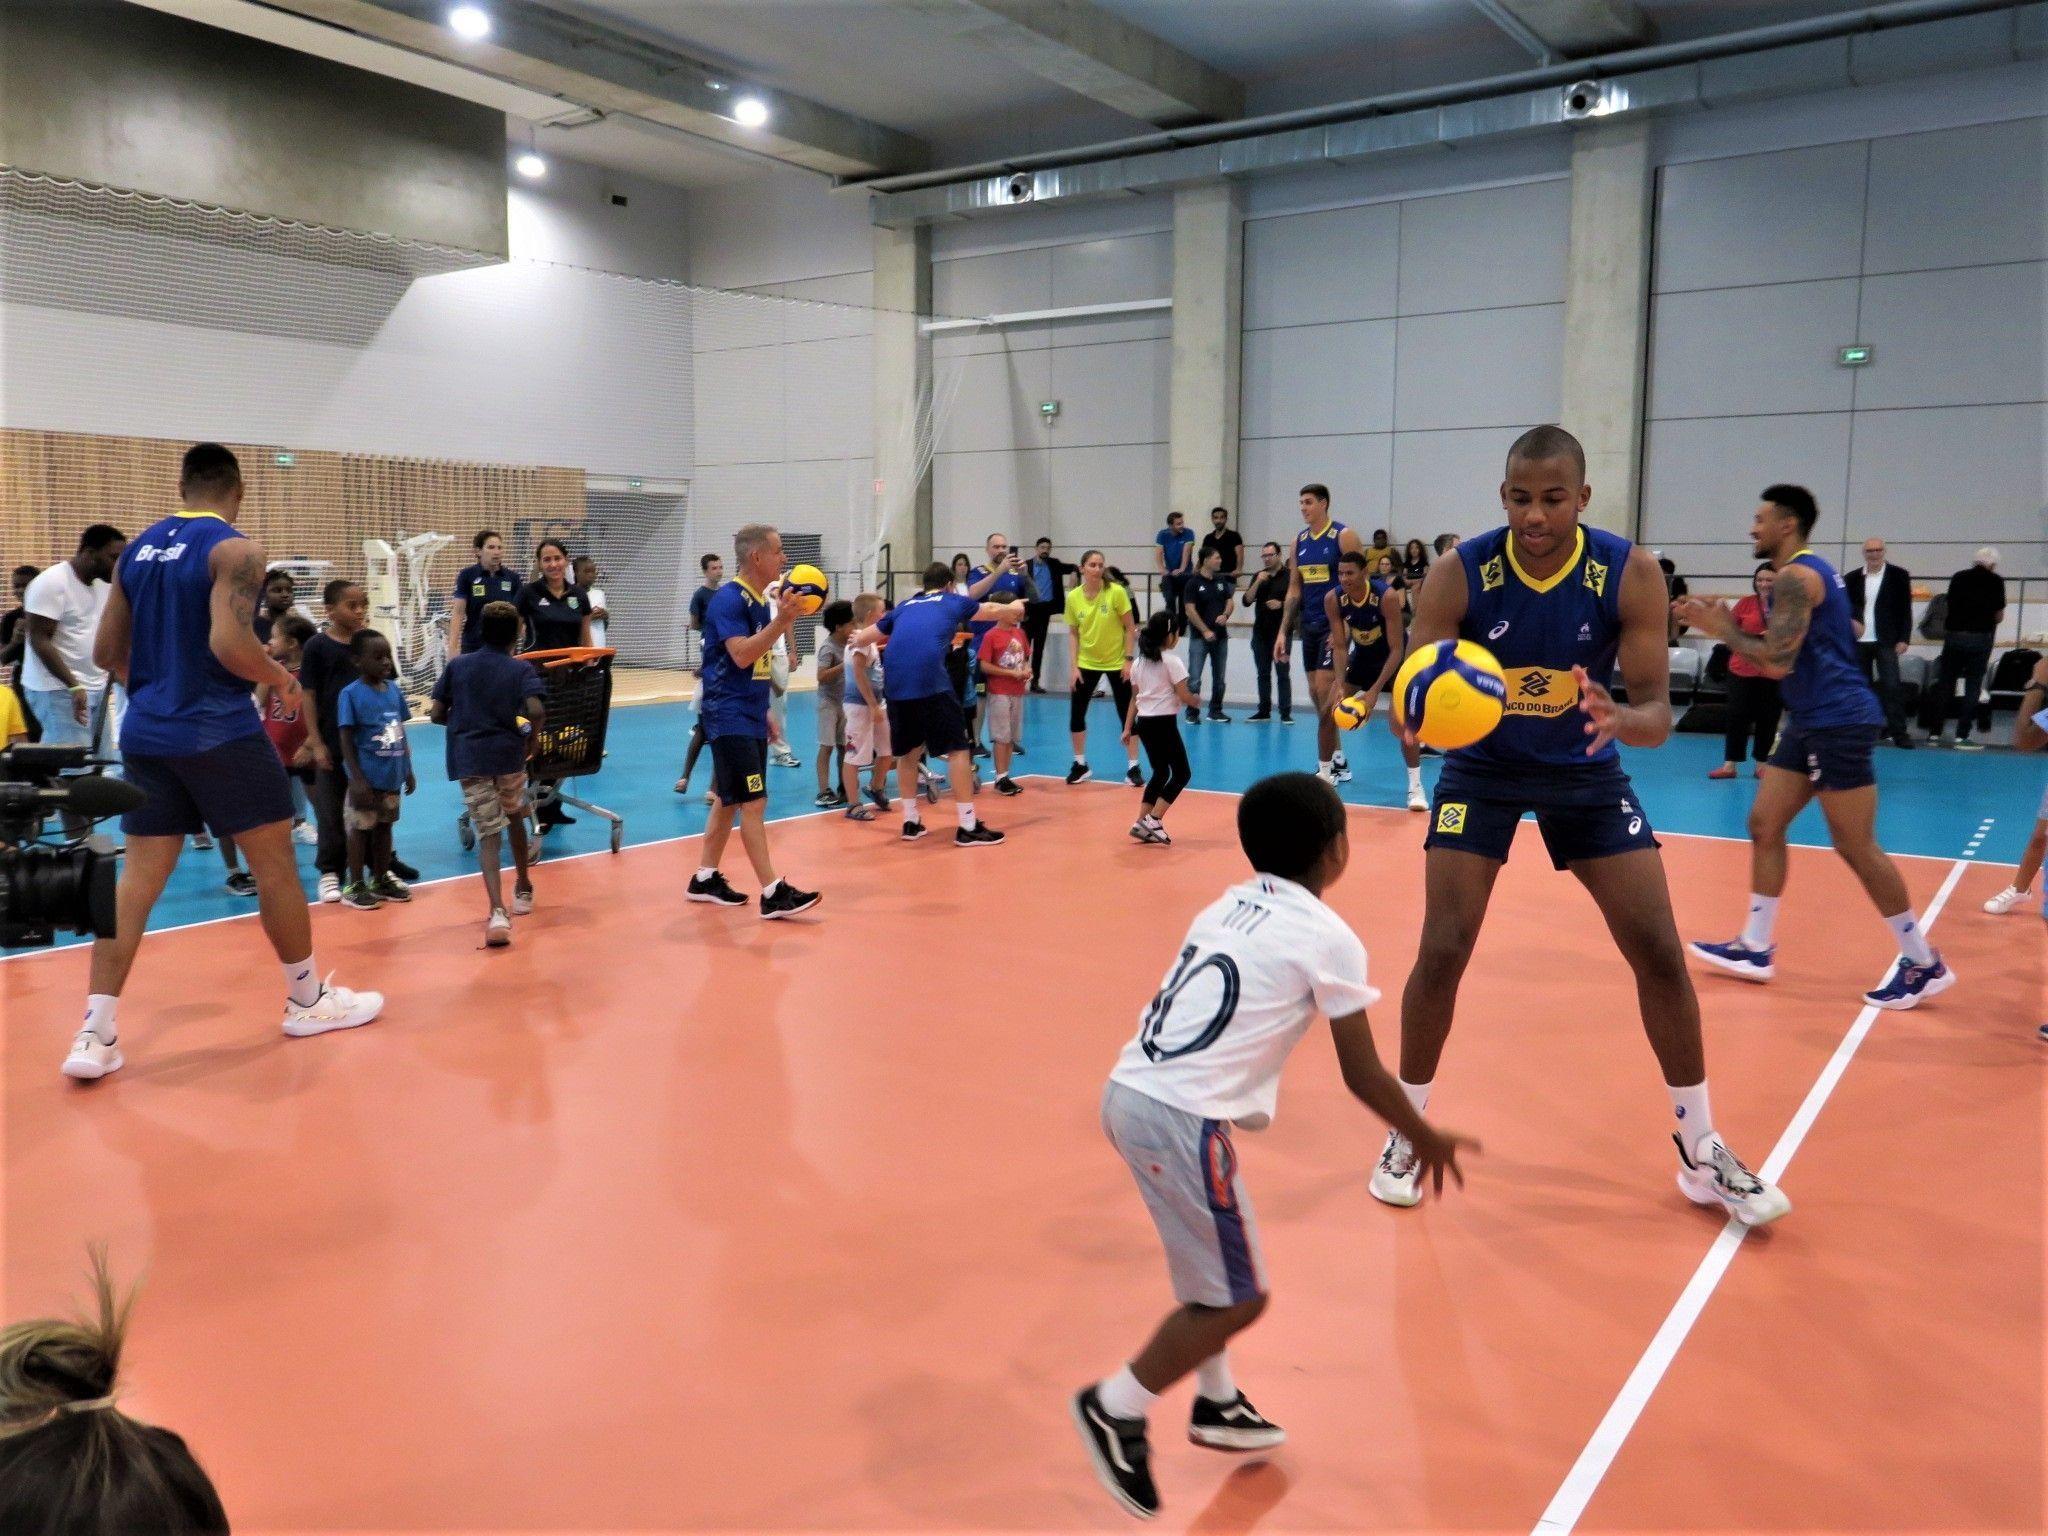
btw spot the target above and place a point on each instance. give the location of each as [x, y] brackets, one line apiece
[1546, 442]
[1317, 489]
[500, 623]
[364, 637]
[1378, 534]
[99, 536]
[335, 590]
[1172, 515]
[27, 572]
[1797, 500]
[937, 574]
[1272, 545]
[705, 563]
[208, 469]
[1043, 540]
[278, 573]
[295, 627]
[1286, 824]
[484, 536]
[837, 612]
[1354, 557]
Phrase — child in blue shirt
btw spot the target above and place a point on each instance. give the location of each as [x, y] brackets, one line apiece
[372, 713]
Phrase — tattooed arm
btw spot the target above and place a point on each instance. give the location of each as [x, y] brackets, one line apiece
[1777, 648]
[238, 568]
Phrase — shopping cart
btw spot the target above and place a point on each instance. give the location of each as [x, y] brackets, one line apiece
[576, 687]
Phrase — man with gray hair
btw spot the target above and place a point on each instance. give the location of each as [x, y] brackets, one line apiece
[740, 632]
[1976, 607]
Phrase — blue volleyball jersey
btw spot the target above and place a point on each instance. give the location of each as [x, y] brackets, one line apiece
[1539, 631]
[181, 700]
[1826, 686]
[1315, 559]
[1366, 626]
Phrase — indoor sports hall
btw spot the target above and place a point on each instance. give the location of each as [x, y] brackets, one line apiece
[549, 377]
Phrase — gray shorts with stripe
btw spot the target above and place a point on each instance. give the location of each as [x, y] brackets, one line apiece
[1186, 1168]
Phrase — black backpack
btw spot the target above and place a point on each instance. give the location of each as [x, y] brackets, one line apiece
[1934, 622]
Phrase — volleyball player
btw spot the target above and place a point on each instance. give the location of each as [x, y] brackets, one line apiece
[1370, 620]
[178, 631]
[1825, 748]
[1559, 604]
[1259, 963]
[1311, 576]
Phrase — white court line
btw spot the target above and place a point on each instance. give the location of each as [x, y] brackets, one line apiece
[1580, 1484]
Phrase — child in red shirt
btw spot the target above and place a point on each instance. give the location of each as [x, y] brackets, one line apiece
[285, 724]
[1006, 664]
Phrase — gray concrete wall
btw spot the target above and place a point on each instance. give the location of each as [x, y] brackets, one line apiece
[113, 93]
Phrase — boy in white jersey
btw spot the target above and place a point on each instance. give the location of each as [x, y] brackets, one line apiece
[1258, 965]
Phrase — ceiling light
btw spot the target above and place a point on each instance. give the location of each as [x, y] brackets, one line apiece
[531, 166]
[750, 111]
[471, 23]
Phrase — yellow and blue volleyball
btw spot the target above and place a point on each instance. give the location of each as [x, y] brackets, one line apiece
[810, 583]
[1349, 713]
[1450, 694]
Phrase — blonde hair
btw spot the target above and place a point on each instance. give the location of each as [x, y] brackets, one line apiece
[70, 1460]
[866, 606]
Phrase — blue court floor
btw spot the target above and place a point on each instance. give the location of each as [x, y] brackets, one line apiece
[1932, 802]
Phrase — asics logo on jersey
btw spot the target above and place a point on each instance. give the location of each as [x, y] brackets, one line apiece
[1498, 630]
[1493, 574]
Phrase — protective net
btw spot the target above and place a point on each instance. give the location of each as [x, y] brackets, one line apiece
[388, 400]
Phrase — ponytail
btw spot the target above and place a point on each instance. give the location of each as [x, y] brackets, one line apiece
[1152, 638]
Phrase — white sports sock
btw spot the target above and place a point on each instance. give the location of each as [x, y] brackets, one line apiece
[301, 983]
[772, 886]
[912, 811]
[1418, 1093]
[966, 815]
[1763, 917]
[1912, 942]
[1080, 762]
[1123, 1398]
[1415, 778]
[1214, 1381]
[99, 1015]
[706, 871]
[1325, 764]
[1695, 1114]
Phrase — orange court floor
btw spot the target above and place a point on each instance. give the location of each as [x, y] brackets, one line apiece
[667, 1219]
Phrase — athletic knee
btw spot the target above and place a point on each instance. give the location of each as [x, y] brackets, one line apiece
[1235, 1317]
[1765, 829]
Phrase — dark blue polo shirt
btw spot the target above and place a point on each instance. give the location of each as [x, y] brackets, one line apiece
[477, 586]
[486, 692]
[734, 699]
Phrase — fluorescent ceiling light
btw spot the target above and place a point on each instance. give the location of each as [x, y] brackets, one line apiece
[750, 111]
[531, 166]
[470, 22]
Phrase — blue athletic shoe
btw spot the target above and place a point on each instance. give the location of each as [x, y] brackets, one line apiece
[2044, 1034]
[1737, 959]
[1910, 985]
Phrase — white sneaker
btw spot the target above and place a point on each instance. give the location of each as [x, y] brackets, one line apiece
[330, 887]
[305, 834]
[335, 1008]
[91, 1057]
[1418, 798]
[2005, 901]
[1713, 1175]
[203, 841]
[522, 901]
[1327, 775]
[1343, 770]
[1394, 1181]
[498, 931]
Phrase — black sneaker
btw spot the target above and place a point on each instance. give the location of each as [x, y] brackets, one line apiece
[403, 870]
[389, 888]
[1263, 714]
[1008, 786]
[1194, 717]
[913, 830]
[1135, 777]
[1119, 1452]
[1287, 719]
[980, 835]
[980, 750]
[1219, 719]
[1903, 741]
[881, 800]
[788, 901]
[1232, 1426]
[361, 897]
[1080, 773]
[716, 889]
[242, 883]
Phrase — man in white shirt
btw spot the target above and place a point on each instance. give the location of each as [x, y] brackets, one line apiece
[58, 676]
[1881, 604]
[1259, 964]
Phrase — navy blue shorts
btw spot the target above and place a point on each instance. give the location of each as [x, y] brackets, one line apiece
[1585, 821]
[935, 723]
[228, 790]
[1363, 668]
[1315, 650]
[739, 768]
[1829, 757]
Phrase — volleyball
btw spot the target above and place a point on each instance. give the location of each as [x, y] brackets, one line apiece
[1450, 694]
[1349, 713]
[810, 582]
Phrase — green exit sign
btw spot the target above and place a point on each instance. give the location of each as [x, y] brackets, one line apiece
[635, 485]
[1855, 357]
[287, 460]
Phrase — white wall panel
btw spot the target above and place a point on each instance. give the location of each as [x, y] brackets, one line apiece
[1338, 264]
[1751, 351]
[1004, 283]
[830, 399]
[1319, 380]
[995, 402]
[1112, 499]
[1789, 217]
[1965, 336]
[740, 406]
[1488, 367]
[976, 494]
[1702, 478]
[1959, 197]
[1978, 473]
[1111, 272]
[1272, 471]
[1486, 249]
[1113, 394]
[1448, 482]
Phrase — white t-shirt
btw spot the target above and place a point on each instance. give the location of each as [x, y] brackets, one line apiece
[1872, 580]
[1154, 682]
[597, 626]
[1259, 964]
[59, 594]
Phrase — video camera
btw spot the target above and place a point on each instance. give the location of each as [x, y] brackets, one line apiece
[48, 886]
